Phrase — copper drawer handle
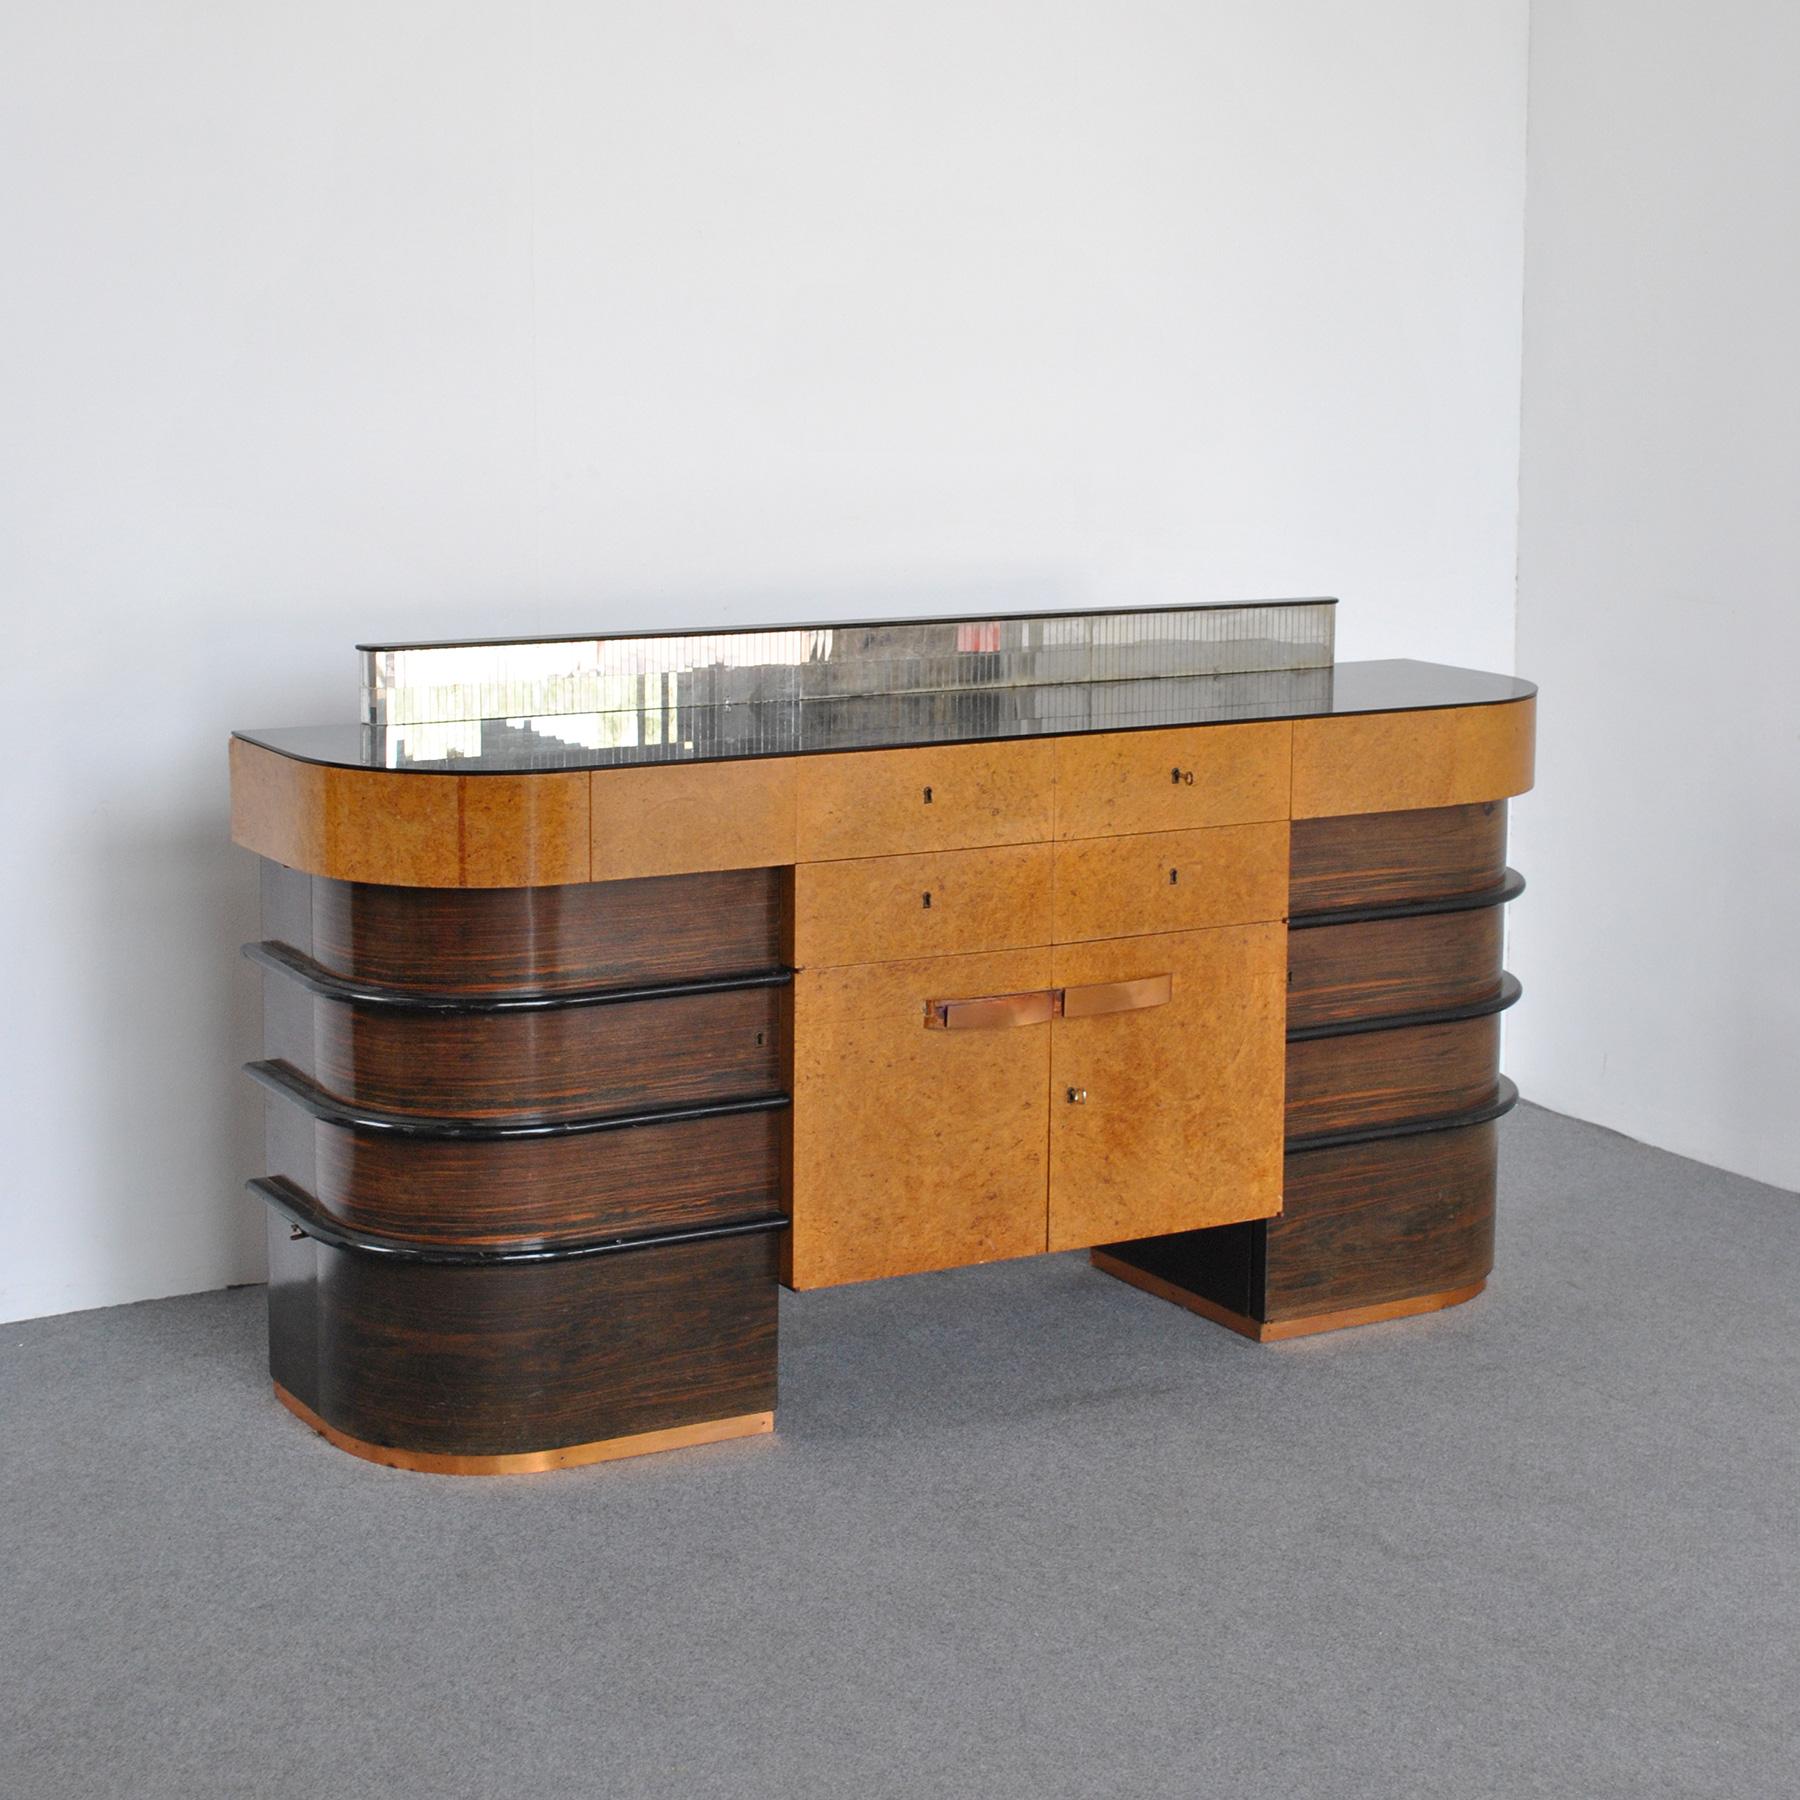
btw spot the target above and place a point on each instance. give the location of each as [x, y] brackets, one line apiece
[1116, 996]
[992, 1012]
[996, 1012]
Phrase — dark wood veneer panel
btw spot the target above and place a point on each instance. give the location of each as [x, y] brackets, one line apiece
[496, 1361]
[549, 939]
[567, 1062]
[1369, 1223]
[1384, 859]
[644, 1179]
[1383, 1077]
[1338, 973]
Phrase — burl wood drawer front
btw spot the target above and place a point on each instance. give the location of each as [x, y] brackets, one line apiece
[407, 829]
[1396, 762]
[953, 797]
[681, 819]
[1170, 881]
[913, 1148]
[1166, 1118]
[1132, 781]
[944, 903]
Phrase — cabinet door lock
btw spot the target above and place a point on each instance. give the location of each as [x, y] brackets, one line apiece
[1078, 1096]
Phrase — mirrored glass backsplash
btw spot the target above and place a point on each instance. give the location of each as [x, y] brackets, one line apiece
[602, 691]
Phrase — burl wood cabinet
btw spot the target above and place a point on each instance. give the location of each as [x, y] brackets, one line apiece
[574, 1050]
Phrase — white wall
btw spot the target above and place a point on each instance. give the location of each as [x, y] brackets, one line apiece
[1659, 577]
[328, 321]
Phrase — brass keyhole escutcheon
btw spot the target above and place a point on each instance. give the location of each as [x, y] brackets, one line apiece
[928, 796]
[1078, 1096]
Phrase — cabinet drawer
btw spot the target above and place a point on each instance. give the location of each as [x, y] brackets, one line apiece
[913, 1148]
[1170, 881]
[946, 902]
[953, 797]
[682, 819]
[1134, 781]
[1402, 761]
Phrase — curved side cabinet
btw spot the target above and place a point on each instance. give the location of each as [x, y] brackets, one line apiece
[1395, 990]
[505, 1367]
[525, 1154]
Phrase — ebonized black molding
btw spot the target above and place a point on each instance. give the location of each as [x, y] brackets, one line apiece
[1506, 1097]
[1509, 993]
[320, 980]
[293, 1086]
[297, 1207]
[1509, 889]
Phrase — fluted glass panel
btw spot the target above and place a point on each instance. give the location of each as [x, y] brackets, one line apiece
[600, 692]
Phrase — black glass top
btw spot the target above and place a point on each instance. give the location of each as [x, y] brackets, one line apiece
[675, 732]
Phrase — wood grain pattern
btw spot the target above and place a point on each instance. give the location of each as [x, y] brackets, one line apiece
[496, 1361]
[1341, 973]
[1382, 1077]
[1138, 781]
[915, 1149]
[1368, 1231]
[1182, 1123]
[570, 1062]
[542, 940]
[1369, 1224]
[1281, 1330]
[1388, 859]
[900, 802]
[1393, 762]
[407, 829]
[1169, 881]
[943, 903]
[513, 1192]
[675, 819]
[534, 1462]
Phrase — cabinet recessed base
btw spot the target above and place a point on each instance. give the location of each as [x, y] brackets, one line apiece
[533, 1462]
[1274, 1331]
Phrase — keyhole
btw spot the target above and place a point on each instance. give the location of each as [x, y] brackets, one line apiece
[759, 1037]
[928, 901]
[1174, 878]
[928, 796]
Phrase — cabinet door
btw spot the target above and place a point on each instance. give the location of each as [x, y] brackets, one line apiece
[918, 1147]
[1166, 1116]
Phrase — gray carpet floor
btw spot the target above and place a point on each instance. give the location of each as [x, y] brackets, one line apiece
[1022, 1531]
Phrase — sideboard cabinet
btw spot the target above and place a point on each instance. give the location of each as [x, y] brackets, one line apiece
[570, 1060]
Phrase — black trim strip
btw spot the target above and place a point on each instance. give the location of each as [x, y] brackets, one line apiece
[1506, 1097]
[292, 1085]
[302, 1211]
[1511, 886]
[1438, 1015]
[288, 961]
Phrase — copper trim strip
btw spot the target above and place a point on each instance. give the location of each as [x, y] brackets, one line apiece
[993, 1012]
[532, 1462]
[1116, 996]
[1276, 1331]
